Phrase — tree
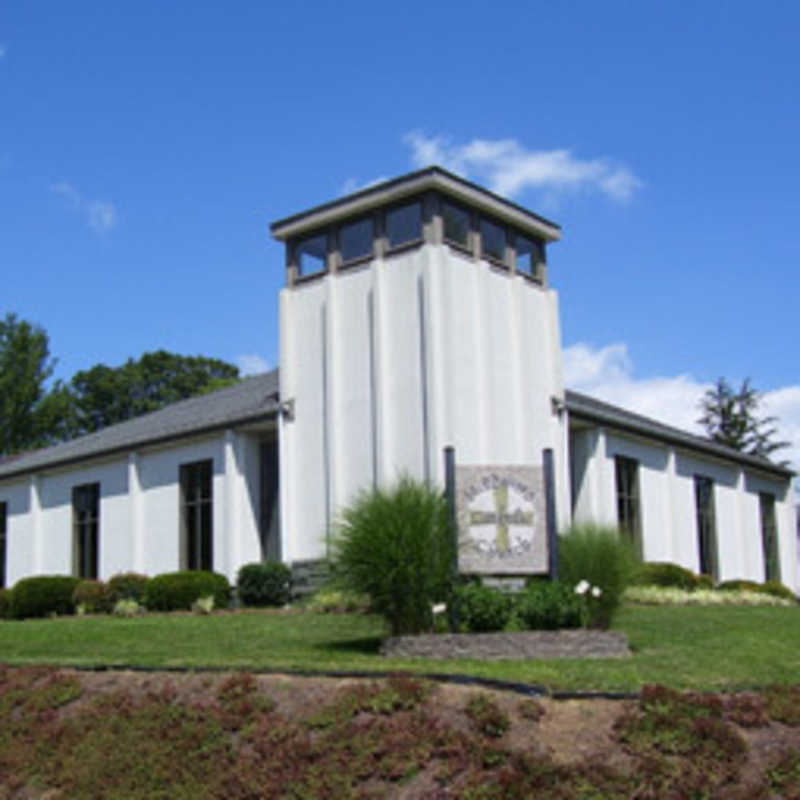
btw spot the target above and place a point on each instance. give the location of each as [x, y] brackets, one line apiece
[730, 418]
[105, 395]
[25, 366]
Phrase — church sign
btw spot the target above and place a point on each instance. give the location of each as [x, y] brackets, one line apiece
[502, 521]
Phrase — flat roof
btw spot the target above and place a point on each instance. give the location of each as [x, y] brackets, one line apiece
[250, 400]
[390, 191]
[584, 407]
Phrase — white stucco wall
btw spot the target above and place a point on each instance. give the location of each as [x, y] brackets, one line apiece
[390, 362]
[667, 503]
[139, 510]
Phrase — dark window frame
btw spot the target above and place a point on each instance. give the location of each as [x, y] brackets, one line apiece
[410, 243]
[344, 263]
[706, 522]
[3, 542]
[536, 276]
[196, 482]
[297, 261]
[86, 530]
[769, 536]
[461, 246]
[628, 497]
[498, 261]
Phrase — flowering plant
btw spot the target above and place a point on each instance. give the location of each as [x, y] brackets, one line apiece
[590, 595]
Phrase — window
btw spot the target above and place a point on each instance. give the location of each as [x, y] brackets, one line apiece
[86, 529]
[310, 254]
[769, 537]
[196, 515]
[706, 525]
[3, 535]
[456, 224]
[355, 239]
[493, 241]
[627, 477]
[528, 255]
[404, 224]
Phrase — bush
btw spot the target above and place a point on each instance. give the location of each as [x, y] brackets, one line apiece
[5, 603]
[127, 586]
[43, 595]
[92, 597]
[603, 557]
[666, 574]
[176, 591]
[549, 606]
[395, 545]
[483, 608]
[777, 589]
[338, 602]
[739, 585]
[267, 584]
[127, 608]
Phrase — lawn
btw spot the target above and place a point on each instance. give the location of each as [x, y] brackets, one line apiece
[698, 647]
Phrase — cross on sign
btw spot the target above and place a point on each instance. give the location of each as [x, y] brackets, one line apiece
[502, 518]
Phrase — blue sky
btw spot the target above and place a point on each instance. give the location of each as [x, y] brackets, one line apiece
[145, 148]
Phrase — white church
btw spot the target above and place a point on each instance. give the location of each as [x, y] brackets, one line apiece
[417, 314]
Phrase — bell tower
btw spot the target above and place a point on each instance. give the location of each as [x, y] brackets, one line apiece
[417, 314]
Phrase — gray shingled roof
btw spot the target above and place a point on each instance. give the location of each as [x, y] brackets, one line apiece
[585, 407]
[251, 399]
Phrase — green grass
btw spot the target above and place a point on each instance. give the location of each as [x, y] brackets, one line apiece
[703, 648]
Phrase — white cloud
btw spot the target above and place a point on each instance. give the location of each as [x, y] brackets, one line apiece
[101, 216]
[509, 168]
[252, 364]
[608, 373]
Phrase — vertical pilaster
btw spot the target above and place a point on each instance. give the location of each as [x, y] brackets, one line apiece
[35, 504]
[232, 527]
[671, 530]
[137, 513]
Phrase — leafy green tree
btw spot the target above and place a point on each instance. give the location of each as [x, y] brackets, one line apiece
[25, 366]
[104, 395]
[731, 418]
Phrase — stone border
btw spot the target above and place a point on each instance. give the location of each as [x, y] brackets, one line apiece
[577, 643]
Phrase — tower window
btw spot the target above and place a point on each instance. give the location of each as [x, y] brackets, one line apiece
[528, 255]
[404, 224]
[355, 239]
[493, 241]
[86, 529]
[310, 254]
[456, 224]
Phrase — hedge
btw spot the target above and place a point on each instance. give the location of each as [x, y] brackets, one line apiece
[127, 586]
[264, 584]
[43, 595]
[176, 591]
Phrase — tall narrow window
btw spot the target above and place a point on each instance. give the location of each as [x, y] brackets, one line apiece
[706, 525]
[628, 516]
[310, 254]
[493, 241]
[3, 537]
[456, 224]
[769, 537]
[86, 530]
[197, 515]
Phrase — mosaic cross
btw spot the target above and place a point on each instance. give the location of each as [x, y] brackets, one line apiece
[501, 518]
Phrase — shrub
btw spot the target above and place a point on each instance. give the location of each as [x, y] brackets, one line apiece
[777, 589]
[603, 557]
[176, 591]
[267, 584]
[43, 595]
[548, 606]
[665, 574]
[670, 596]
[127, 608]
[127, 586]
[483, 608]
[92, 597]
[739, 585]
[203, 605]
[395, 545]
[338, 602]
[5, 603]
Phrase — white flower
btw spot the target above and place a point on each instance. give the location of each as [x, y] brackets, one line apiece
[439, 608]
[582, 587]
[596, 591]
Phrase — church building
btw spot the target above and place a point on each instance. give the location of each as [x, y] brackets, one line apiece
[418, 314]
